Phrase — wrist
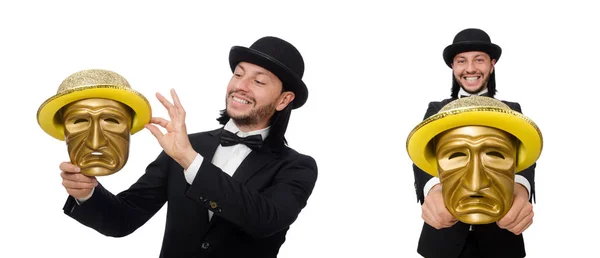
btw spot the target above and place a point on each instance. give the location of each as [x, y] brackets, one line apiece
[521, 190]
[187, 158]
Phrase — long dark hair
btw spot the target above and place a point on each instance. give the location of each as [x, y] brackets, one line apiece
[279, 122]
[491, 86]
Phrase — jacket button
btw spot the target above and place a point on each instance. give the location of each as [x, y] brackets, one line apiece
[205, 245]
[213, 204]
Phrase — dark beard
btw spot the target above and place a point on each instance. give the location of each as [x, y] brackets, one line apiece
[255, 115]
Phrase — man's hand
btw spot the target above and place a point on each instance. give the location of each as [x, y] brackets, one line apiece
[433, 210]
[520, 215]
[175, 142]
[77, 184]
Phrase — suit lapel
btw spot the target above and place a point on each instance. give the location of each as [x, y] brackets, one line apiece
[253, 163]
[208, 146]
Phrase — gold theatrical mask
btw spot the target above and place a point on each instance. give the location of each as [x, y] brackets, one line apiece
[97, 135]
[475, 145]
[476, 167]
[95, 111]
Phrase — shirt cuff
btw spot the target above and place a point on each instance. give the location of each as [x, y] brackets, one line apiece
[192, 170]
[82, 200]
[523, 181]
[430, 184]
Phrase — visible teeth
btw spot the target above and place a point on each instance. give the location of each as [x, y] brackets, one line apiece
[241, 100]
[95, 153]
[472, 78]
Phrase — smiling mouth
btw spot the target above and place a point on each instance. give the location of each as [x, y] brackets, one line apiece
[239, 100]
[471, 78]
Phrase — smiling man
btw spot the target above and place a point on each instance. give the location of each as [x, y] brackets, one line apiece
[472, 57]
[231, 192]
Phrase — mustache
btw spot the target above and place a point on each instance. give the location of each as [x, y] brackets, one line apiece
[471, 74]
[242, 94]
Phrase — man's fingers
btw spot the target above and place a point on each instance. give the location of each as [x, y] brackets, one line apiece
[437, 218]
[525, 213]
[77, 177]
[69, 184]
[445, 215]
[429, 218]
[519, 209]
[435, 212]
[521, 227]
[176, 101]
[155, 131]
[446, 218]
[164, 101]
[511, 216]
[68, 167]
[160, 121]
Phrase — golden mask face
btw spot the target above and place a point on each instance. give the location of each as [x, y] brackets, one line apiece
[97, 135]
[477, 171]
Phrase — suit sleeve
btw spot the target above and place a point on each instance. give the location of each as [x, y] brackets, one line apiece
[421, 177]
[120, 215]
[528, 173]
[263, 213]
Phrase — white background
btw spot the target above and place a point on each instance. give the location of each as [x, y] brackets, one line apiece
[371, 68]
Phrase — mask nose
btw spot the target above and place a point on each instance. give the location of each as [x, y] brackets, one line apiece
[476, 179]
[95, 138]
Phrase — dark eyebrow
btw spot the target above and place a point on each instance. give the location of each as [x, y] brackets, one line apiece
[256, 73]
[241, 67]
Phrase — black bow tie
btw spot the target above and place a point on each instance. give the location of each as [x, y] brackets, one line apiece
[483, 95]
[253, 141]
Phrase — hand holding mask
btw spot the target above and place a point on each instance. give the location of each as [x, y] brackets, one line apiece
[476, 145]
[95, 112]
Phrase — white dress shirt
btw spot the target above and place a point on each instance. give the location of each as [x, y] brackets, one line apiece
[227, 158]
[435, 180]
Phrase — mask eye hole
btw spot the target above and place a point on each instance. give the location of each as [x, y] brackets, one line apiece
[495, 154]
[111, 120]
[457, 154]
[80, 120]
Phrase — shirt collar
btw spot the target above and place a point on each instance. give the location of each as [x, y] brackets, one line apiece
[230, 126]
[462, 92]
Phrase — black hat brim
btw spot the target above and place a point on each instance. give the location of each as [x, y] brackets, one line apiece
[289, 79]
[452, 50]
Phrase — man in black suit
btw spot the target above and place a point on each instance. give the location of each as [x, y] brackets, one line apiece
[472, 58]
[233, 191]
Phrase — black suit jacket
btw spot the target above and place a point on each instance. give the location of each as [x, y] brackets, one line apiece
[252, 210]
[449, 242]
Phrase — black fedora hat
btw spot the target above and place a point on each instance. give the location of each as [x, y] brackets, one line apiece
[279, 57]
[471, 40]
